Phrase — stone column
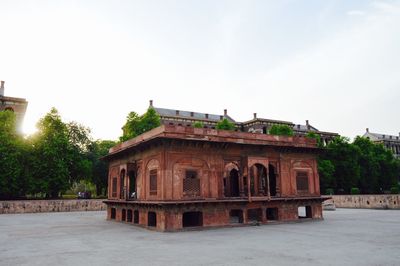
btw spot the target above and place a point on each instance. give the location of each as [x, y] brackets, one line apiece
[241, 185]
[268, 190]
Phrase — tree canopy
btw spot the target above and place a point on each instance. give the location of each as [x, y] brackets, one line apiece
[50, 161]
[59, 154]
[99, 170]
[361, 164]
[136, 125]
[13, 154]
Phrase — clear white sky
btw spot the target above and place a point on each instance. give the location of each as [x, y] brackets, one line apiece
[336, 63]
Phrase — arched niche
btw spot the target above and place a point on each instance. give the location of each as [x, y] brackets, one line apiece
[231, 180]
[153, 176]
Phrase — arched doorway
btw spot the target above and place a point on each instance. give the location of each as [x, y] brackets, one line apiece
[258, 180]
[234, 183]
[272, 180]
[132, 185]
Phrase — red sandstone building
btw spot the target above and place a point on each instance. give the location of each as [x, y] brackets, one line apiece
[174, 177]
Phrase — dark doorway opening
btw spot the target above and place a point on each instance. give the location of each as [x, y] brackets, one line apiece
[132, 185]
[304, 212]
[129, 216]
[151, 219]
[234, 183]
[236, 216]
[258, 180]
[272, 180]
[136, 217]
[254, 215]
[272, 214]
[265, 131]
[191, 219]
[123, 215]
[113, 213]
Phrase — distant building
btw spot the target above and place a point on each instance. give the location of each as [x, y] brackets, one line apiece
[389, 141]
[255, 125]
[16, 105]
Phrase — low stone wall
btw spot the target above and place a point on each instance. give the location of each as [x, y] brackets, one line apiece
[33, 206]
[367, 201]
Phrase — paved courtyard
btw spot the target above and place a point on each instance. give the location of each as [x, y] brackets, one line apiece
[345, 237]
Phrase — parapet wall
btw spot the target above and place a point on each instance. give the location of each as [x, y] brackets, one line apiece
[367, 201]
[34, 206]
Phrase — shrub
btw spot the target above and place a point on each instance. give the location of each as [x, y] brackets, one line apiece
[329, 191]
[281, 130]
[69, 196]
[355, 191]
[225, 125]
[313, 135]
[198, 124]
[394, 190]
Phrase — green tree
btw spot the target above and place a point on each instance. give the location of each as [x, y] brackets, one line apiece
[224, 124]
[59, 155]
[50, 156]
[379, 168]
[326, 171]
[79, 139]
[14, 154]
[344, 157]
[281, 130]
[99, 175]
[136, 125]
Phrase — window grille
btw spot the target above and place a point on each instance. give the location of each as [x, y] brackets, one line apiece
[114, 187]
[302, 182]
[191, 184]
[153, 182]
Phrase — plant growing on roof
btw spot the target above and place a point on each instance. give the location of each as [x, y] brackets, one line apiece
[198, 124]
[281, 130]
[136, 125]
[225, 125]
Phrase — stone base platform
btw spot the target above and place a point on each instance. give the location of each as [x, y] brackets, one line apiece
[181, 215]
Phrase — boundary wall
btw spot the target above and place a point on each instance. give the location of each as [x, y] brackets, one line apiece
[390, 201]
[35, 206]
